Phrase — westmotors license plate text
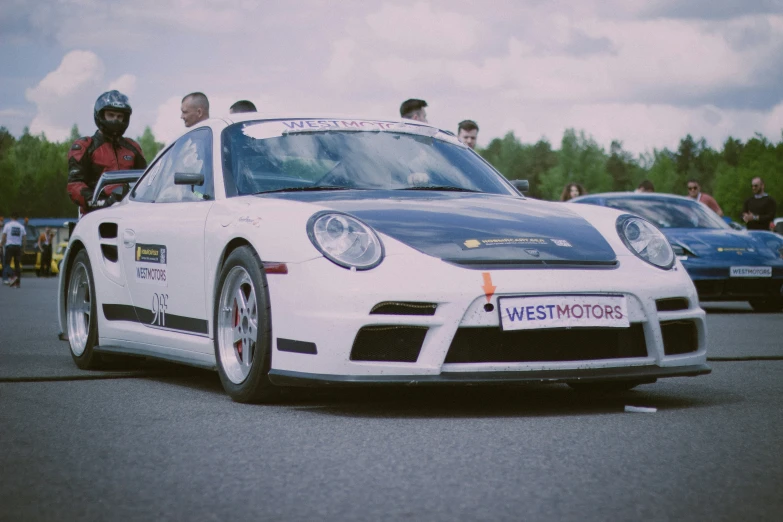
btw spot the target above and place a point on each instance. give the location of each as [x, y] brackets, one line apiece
[564, 311]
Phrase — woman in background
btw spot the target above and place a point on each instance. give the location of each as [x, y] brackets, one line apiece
[572, 190]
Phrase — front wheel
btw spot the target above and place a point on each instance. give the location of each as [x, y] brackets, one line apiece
[242, 328]
[80, 314]
[767, 305]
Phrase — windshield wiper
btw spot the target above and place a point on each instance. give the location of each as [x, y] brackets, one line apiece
[307, 188]
[440, 187]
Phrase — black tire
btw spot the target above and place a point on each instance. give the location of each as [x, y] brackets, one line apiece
[606, 387]
[82, 342]
[766, 306]
[241, 270]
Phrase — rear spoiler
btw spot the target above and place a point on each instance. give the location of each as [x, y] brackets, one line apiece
[113, 178]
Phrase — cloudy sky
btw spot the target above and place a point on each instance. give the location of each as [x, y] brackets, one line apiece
[645, 72]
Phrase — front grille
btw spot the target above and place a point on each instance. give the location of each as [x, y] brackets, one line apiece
[477, 345]
[403, 308]
[671, 304]
[751, 287]
[388, 343]
[738, 287]
[679, 337]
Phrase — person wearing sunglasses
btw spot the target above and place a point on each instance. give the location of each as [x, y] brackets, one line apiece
[694, 192]
[758, 211]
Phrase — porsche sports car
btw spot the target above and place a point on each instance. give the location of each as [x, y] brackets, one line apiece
[315, 251]
[725, 264]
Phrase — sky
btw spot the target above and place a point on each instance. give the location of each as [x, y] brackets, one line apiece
[643, 72]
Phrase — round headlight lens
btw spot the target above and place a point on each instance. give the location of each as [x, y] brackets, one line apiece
[646, 241]
[345, 240]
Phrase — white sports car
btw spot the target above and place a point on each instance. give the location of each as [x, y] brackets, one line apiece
[316, 251]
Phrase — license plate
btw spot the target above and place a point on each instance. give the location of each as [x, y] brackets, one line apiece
[563, 311]
[751, 271]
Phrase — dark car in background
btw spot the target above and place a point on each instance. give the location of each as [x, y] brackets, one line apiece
[725, 264]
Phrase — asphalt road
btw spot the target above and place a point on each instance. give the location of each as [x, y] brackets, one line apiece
[165, 443]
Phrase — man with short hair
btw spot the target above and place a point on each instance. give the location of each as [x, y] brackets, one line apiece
[13, 240]
[645, 186]
[195, 108]
[694, 192]
[758, 211]
[413, 109]
[242, 106]
[467, 132]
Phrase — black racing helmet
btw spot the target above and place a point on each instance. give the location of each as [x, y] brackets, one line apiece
[115, 101]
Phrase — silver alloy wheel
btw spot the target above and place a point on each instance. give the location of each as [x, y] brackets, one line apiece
[79, 309]
[237, 324]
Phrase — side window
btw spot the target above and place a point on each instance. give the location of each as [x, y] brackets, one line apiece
[191, 154]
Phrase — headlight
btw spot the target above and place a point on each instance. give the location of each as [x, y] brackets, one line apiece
[646, 241]
[345, 240]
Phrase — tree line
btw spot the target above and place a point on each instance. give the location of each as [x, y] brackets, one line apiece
[725, 174]
[34, 171]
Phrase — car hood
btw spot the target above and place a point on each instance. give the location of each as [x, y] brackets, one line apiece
[714, 242]
[473, 229]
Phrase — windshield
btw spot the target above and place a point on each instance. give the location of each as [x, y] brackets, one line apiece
[272, 156]
[670, 213]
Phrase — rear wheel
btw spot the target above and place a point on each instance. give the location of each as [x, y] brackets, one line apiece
[767, 305]
[243, 334]
[80, 314]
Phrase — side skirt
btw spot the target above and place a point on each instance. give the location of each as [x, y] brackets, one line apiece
[191, 358]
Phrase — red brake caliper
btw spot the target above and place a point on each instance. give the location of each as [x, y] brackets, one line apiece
[238, 344]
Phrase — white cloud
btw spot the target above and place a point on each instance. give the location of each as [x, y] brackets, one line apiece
[77, 69]
[126, 84]
[341, 62]
[71, 85]
[421, 28]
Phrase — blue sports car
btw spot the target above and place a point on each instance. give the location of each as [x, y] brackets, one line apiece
[725, 264]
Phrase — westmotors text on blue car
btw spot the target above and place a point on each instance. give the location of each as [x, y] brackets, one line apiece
[724, 263]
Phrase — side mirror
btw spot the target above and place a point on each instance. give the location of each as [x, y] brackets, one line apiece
[119, 192]
[188, 178]
[521, 185]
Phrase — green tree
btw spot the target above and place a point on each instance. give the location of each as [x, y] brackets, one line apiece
[149, 146]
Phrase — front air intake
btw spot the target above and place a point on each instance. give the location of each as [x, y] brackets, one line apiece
[403, 308]
[388, 343]
[485, 345]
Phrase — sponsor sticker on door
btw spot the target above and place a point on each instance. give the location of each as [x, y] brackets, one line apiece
[151, 264]
[751, 271]
[563, 311]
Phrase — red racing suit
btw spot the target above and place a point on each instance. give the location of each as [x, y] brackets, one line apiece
[90, 157]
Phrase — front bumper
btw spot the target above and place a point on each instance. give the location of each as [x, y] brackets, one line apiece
[642, 374]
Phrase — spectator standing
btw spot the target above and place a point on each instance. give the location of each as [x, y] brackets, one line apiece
[645, 186]
[104, 151]
[14, 240]
[694, 192]
[572, 190]
[413, 109]
[242, 106]
[6, 270]
[45, 248]
[195, 108]
[467, 133]
[758, 211]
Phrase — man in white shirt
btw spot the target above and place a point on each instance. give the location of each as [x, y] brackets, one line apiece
[14, 239]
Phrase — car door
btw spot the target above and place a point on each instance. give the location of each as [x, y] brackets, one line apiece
[163, 239]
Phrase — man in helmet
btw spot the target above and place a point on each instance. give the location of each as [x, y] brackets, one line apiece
[104, 151]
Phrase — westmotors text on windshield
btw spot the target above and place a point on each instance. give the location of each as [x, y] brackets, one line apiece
[262, 159]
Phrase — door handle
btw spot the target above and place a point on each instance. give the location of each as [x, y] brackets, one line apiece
[128, 238]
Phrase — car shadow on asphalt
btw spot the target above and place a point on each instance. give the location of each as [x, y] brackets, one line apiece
[535, 400]
[525, 400]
